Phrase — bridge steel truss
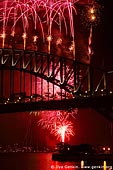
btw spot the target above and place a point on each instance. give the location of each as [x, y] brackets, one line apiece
[31, 76]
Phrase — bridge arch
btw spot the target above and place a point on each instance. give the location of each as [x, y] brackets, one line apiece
[31, 76]
[58, 71]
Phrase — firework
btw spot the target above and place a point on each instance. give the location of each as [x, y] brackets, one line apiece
[40, 18]
[40, 14]
[24, 36]
[90, 14]
[90, 52]
[50, 118]
[63, 130]
[3, 39]
[59, 41]
[35, 39]
[92, 18]
[57, 123]
[72, 48]
[49, 39]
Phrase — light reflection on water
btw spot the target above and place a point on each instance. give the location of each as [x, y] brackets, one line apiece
[43, 161]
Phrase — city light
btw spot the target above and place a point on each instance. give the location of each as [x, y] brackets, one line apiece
[82, 164]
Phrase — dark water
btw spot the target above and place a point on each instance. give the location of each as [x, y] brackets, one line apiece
[43, 161]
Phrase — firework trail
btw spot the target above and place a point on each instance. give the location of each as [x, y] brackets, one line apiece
[89, 42]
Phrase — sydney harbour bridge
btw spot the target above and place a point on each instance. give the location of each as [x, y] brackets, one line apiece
[31, 80]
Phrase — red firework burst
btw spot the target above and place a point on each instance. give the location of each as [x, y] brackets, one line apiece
[63, 130]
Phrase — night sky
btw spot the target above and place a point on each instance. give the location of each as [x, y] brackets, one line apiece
[90, 126]
[103, 41]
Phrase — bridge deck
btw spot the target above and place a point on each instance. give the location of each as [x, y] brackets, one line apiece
[103, 104]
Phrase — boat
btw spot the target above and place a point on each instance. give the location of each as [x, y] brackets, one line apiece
[66, 152]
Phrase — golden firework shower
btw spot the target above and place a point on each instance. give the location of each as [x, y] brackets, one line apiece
[90, 14]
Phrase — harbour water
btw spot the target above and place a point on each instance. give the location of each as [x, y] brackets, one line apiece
[43, 161]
